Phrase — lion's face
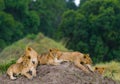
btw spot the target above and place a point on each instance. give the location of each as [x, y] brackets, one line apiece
[100, 70]
[86, 59]
[54, 52]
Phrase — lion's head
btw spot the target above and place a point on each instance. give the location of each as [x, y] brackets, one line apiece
[86, 59]
[55, 52]
[32, 54]
[99, 70]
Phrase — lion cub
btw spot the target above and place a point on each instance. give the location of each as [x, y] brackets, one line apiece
[29, 52]
[48, 58]
[99, 70]
[22, 68]
[79, 59]
[32, 53]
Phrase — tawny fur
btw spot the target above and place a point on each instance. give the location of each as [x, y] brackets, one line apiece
[99, 70]
[21, 68]
[76, 57]
[47, 58]
[34, 59]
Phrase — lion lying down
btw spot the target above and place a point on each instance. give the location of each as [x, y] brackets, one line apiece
[22, 68]
[29, 61]
[99, 70]
[48, 58]
[79, 59]
[32, 53]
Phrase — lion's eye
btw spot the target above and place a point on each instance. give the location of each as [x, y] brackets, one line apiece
[29, 57]
[96, 68]
[84, 56]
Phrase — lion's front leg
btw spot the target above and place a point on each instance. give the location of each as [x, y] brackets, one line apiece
[80, 66]
[58, 61]
[33, 69]
[52, 62]
[11, 75]
[89, 67]
[27, 74]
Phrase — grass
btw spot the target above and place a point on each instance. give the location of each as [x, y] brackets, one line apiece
[4, 67]
[112, 69]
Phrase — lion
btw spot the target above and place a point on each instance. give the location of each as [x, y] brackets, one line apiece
[48, 58]
[79, 59]
[34, 58]
[99, 70]
[22, 68]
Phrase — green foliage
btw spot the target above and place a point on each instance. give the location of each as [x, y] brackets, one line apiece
[16, 20]
[5, 66]
[9, 28]
[82, 1]
[71, 5]
[50, 12]
[2, 44]
[31, 22]
[31, 36]
[21, 17]
[93, 28]
[17, 6]
[2, 5]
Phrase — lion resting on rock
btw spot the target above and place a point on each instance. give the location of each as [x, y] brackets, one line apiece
[79, 59]
[22, 68]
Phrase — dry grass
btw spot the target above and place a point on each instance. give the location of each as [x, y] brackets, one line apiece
[112, 69]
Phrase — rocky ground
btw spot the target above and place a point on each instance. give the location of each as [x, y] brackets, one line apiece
[65, 73]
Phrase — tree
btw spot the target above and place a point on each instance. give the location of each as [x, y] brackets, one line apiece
[9, 29]
[20, 10]
[71, 5]
[93, 28]
[2, 5]
[50, 12]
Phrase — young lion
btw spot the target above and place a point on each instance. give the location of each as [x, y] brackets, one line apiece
[22, 68]
[99, 70]
[48, 58]
[32, 53]
[34, 58]
[76, 57]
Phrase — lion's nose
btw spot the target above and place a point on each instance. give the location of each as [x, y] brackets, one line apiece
[33, 62]
[81, 62]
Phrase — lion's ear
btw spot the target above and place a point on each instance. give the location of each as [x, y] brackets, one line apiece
[29, 57]
[85, 56]
[96, 68]
[50, 50]
[57, 49]
[29, 49]
[103, 68]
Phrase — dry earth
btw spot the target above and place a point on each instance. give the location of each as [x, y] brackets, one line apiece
[65, 73]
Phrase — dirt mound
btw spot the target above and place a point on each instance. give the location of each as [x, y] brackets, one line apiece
[65, 73]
